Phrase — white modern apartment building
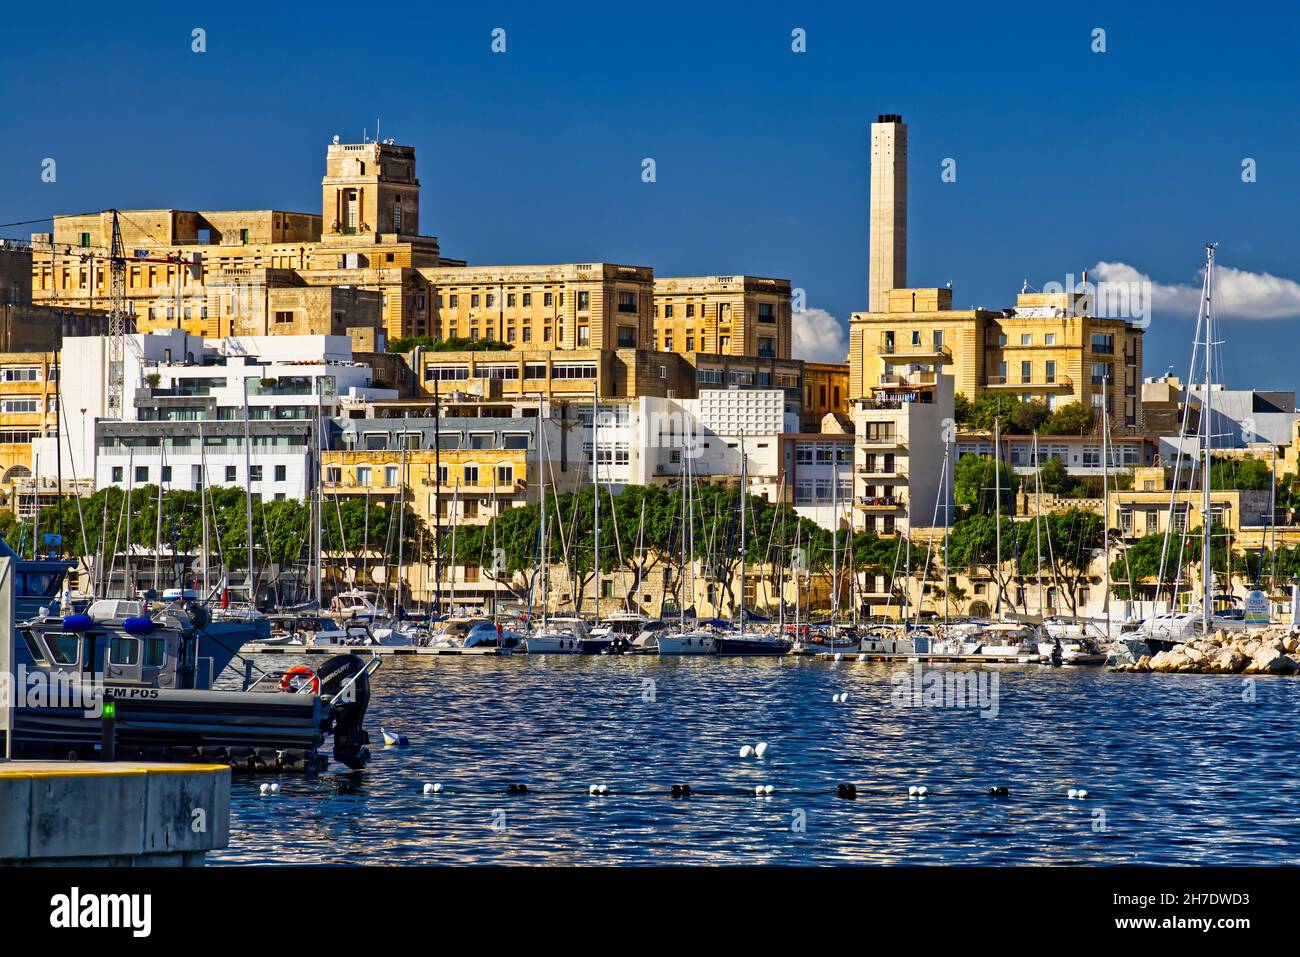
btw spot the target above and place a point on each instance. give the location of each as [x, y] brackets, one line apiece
[902, 430]
[189, 404]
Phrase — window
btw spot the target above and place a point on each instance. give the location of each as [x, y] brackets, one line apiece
[230, 473]
[626, 302]
[1050, 367]
[453, 301]
[1100, 373]
[65, 649]
[166, 474]
[1026, 339]
[142, 473]
[505, 474]
[547, 299]
[117, 474]
[390, 474]
[20, 375]
[155, 652]
[473, 301]
[363, 475]
[20, 405]
[584, 301]
[1049, 339]
[626, 337]
[471, 475]
[584, 335]
[1103, 342]
[281, 473]
[243, 236]
[255, 473]
[767, 312]
[528, 299]
[1026, 372]
[124, 651]
[284, 315]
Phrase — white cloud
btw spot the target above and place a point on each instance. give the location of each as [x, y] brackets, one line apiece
[1241, 294]
[817, 336]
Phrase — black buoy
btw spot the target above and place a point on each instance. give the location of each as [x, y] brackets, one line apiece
[681, 790]
[846, 791]
[998, 792]
[517, 789]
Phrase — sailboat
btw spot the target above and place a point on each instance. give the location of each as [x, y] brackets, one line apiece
[686, 640]
[1161, 632]
[744, 642]
[560, 635]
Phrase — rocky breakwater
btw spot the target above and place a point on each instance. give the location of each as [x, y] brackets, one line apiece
[1263, 652]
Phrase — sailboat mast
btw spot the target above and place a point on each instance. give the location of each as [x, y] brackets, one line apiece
[1207, 574]
[1038, 519]
[595, 488]
[835, 541]
[1105, 493]
[744, 481]
[997, 520]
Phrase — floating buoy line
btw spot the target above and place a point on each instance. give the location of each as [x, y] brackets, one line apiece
[846, 791]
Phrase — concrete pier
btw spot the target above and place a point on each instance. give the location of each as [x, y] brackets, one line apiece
[115, 814]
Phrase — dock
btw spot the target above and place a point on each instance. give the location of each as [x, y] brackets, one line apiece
[396, 651]
[929, 659]
[113, 814]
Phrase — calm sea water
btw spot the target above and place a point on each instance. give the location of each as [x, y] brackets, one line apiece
[1179, 769]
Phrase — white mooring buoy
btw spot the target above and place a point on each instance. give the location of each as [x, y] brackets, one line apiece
[746, 751]
[760, 749]
[1072, 794]
[264, 789]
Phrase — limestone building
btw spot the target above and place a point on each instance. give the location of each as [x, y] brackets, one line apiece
[725, 315]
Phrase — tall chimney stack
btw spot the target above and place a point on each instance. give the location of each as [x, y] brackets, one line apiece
[888, 208]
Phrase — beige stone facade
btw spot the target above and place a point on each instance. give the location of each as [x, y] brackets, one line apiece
[1044, 349]
[725, 315]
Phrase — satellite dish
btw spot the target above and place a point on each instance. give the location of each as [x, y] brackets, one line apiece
[349, 575]
[379, 574]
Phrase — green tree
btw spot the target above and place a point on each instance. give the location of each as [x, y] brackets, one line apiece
[1028, 417]
[974, 484]
[1073, 418]
[990, 407]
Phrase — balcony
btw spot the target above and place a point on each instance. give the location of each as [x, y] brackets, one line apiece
[880, 475]
[919, 353]
[880, 503]
[1056, 383]
[891, 441]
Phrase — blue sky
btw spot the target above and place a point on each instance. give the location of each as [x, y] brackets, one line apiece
[1065, 157]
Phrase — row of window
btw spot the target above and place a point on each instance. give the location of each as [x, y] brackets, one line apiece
[141, 474]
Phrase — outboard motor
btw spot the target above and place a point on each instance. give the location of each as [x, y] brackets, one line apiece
[348, 711]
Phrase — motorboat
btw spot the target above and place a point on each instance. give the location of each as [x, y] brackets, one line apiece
[621, 634]
[359, 605]
[1079, 650]
[1005, 639]
[156, 666]
[306, 630]
[558, 636]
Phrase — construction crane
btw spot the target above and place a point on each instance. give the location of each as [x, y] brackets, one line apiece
[118, 313]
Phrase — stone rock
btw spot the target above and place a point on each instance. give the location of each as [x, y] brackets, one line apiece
[1230, 661]
[1194, 654]
[1143, 663]
[1266, 661]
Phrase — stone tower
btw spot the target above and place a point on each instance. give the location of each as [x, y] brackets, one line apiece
[888, 209]
[369, 190]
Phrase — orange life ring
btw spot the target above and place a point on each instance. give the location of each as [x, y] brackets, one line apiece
[286, 680]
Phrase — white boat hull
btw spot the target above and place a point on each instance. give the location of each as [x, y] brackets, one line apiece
[686, 645]
[558, 644]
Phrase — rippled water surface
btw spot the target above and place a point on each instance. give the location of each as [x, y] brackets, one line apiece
[1180, 769]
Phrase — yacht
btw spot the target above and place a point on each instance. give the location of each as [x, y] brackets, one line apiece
[1005, 639]
[686, 643]
[622, 633]
[558, 636]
